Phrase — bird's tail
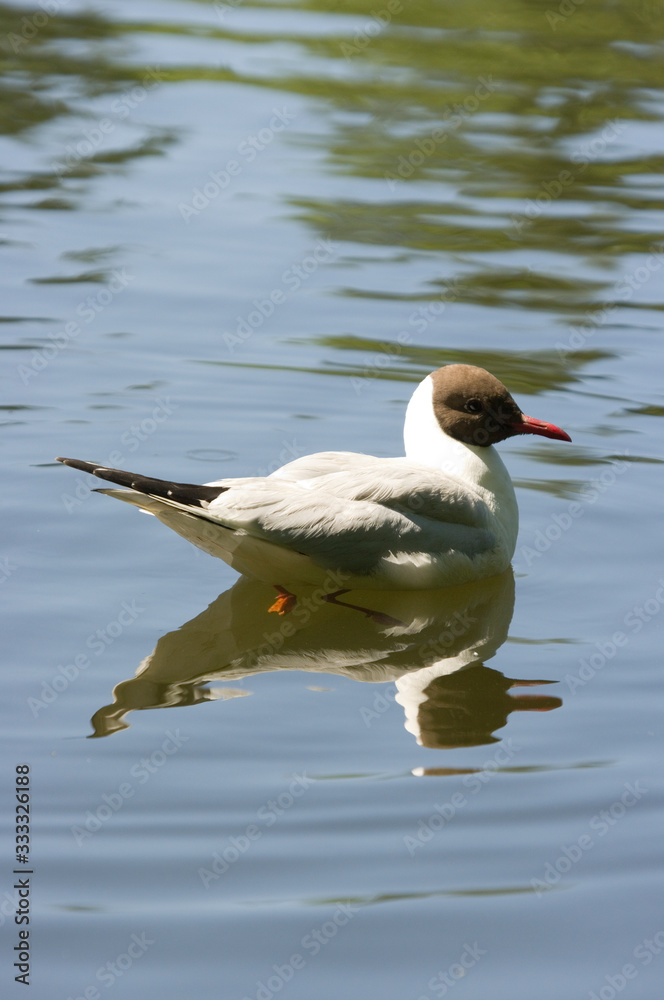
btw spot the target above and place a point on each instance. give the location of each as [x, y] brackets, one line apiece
[187, 494]
[180, 506]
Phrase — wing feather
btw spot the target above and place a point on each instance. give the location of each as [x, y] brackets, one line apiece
[354, 517]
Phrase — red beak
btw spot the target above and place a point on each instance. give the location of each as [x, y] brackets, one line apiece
[529, 425]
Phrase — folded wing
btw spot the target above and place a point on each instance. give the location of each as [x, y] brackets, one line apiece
[349, 511]
[342, 510]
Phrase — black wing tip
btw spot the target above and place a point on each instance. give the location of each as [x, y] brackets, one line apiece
[186, 493]
[77, 463]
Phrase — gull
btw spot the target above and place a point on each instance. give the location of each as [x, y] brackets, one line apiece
[443, 515]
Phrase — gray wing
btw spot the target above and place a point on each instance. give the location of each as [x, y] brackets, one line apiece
[353, 517]
[311, 467]
[324, 463]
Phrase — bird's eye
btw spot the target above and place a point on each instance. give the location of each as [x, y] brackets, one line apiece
[473, 406]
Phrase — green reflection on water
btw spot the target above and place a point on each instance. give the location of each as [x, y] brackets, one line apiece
[478, 129]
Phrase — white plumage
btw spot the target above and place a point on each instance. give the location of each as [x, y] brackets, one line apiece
[445, 514]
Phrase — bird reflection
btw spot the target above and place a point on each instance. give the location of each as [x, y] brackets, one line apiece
[431, 644]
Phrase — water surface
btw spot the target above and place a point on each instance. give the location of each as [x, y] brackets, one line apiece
[236, 233]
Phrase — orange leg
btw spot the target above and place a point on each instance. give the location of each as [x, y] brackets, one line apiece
[284, 603]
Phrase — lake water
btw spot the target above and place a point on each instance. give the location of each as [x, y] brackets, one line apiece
[236, 233]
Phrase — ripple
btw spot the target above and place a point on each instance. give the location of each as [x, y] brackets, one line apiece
[211, 455]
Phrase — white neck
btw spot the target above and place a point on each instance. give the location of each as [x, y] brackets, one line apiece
[480, 468]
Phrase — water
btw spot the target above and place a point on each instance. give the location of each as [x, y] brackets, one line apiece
[233, 234]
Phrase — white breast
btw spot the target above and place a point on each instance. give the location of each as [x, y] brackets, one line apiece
[480, 469]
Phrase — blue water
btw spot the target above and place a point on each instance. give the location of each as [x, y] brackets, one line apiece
[249, 255]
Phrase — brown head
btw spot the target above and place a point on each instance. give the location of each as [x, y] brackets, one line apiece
[472, 406]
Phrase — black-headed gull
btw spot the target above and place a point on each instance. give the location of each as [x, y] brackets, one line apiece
[445, 514]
